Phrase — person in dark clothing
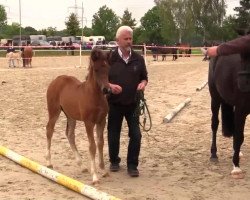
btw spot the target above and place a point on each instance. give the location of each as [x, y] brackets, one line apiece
[127, 74]
[71, 47]
[8, 50]
[239, 45]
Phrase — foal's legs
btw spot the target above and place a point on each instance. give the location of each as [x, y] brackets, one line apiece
[70, 133]
[215, 107]
[92, 150]
[53, 116]
[100, 143]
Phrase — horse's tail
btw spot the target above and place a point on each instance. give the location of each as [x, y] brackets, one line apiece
[227, 115]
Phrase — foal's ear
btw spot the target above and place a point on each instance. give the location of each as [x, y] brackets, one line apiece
[95, 54]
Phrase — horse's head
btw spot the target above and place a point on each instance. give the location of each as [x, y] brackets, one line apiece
[99, 69]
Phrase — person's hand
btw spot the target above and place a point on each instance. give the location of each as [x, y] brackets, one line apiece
[116, 89]
[142, 85]
[212, 51]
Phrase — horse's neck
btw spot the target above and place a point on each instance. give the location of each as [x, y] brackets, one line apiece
[91, 83]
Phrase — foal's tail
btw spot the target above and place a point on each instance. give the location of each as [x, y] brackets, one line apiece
[227, 114]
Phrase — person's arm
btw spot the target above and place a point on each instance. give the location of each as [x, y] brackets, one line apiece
[240, 45]
[144, 77]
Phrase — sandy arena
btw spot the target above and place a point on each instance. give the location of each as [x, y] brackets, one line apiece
[174, 159]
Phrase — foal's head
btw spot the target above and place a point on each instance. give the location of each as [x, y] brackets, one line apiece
[99, 69]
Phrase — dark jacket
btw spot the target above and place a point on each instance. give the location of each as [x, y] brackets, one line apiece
[128, 76]
[10, 49]
[237, 46]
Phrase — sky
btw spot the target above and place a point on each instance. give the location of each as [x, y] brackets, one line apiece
[41, 14]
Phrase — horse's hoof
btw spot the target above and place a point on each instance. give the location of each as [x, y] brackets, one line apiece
[50, 166]
[237, 173]
[214, 159]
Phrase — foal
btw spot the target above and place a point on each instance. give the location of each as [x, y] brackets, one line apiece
[83, 101]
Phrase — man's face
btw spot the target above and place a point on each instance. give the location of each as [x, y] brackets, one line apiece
[125, 40]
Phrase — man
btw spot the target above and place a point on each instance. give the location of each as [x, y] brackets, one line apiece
[127, 75]
[240, 45]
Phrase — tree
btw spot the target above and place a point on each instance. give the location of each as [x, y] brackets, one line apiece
[3, 16]
[3, 19]
[51, 31]
[30, 31]
[152, 26]
[105, 22]
[208, 16]
[228, 29]
[87, 31]
[243, 15]
[127, 19]
[72, 25]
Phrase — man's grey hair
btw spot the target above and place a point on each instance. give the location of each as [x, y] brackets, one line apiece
[122, 29]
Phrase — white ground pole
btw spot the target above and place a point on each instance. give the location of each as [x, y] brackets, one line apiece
[61, 179]
[202, 86]
[176, 110]
[80, 54]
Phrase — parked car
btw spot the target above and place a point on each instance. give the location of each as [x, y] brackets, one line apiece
[112, 45]
[41, 43]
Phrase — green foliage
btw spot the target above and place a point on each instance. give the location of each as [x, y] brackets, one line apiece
[51, 31]
[30, 31]
[3, 16]
[87, 31]
[243, 15]
[127, 19]
[105, 22]
[13, 29]
[72, 25]
[152, 26]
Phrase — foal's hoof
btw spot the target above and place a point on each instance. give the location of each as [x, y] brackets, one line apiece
[105, 174]
[237, 173]
[95, 182]
[84, 169]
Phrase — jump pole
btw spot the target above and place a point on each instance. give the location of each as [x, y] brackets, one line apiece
[175, 111]
[61, 179]
[202, 86]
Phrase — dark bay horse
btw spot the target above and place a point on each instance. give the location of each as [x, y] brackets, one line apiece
[185, 49]
[83, 101]
[163, 51]
[229, 89]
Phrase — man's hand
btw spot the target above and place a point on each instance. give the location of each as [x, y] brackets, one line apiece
[212, 51]
[116, 89]
[142, 85]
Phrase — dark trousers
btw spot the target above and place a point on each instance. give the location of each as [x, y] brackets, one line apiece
[115, 118]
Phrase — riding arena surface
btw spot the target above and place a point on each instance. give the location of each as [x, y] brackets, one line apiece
[174, 159]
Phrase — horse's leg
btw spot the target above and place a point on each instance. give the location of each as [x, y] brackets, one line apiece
[100, 143]
[215, 107]
[53, 116]
[70, 133]
[13, 62]
[9, 61]
[92, 150]
[238, 139]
